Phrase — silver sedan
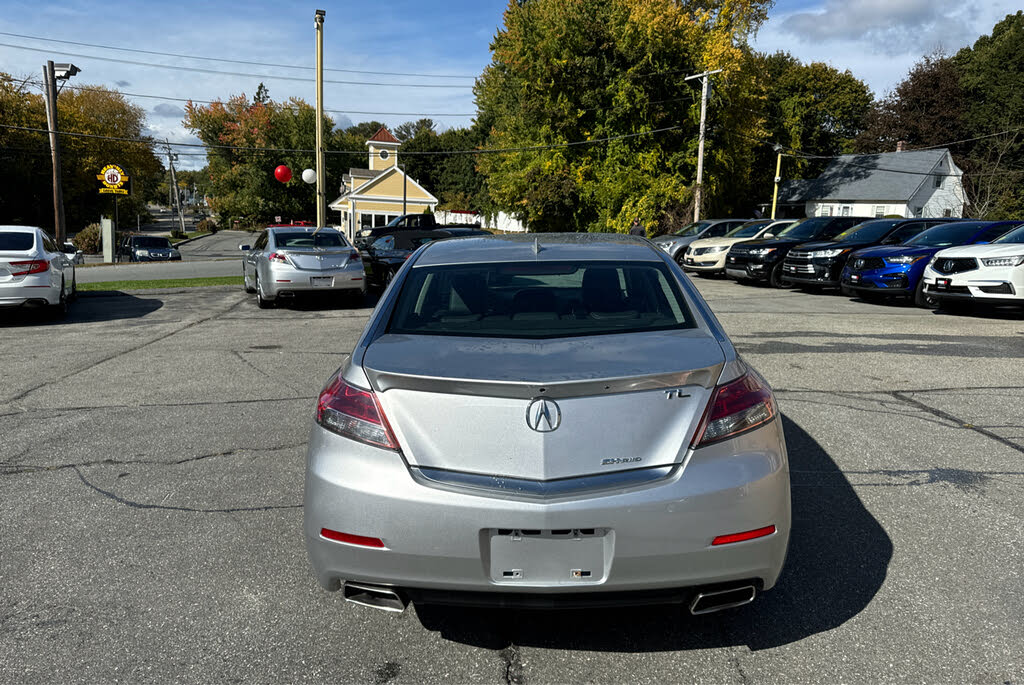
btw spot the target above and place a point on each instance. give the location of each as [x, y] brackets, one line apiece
[285, 261]
[546, 421]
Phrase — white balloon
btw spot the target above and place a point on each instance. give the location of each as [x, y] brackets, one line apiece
[309, 176]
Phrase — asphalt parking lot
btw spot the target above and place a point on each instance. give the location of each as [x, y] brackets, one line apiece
[151, 464]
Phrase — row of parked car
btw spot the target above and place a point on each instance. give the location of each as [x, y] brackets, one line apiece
[935, 262]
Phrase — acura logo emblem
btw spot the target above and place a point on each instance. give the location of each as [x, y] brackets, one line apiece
[543, 415]
[947, 265]
[858, 264]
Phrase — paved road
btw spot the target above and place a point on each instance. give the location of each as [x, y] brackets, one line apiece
[213, 255]
[151, 478]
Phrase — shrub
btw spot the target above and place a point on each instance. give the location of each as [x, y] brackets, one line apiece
[178, 235]
[88, 239]
[206, 226]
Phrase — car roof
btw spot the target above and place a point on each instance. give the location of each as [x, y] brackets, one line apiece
[301, 229]
[20, 229]
[534, 247]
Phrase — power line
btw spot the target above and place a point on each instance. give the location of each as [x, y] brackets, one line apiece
[233, 61]
[417, 153]
[208, 102]
[234, 73]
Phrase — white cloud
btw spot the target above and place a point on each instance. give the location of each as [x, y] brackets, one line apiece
[880, 40]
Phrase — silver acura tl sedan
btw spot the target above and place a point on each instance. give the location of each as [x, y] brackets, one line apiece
[546, 421]
[289, 260]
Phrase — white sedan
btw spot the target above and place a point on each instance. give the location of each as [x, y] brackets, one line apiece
[992, 273]
[34, 270]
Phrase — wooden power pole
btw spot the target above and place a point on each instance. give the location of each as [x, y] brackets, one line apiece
[698, 193]
[50, 97]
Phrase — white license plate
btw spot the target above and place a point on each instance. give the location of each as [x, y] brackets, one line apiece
[321, 281]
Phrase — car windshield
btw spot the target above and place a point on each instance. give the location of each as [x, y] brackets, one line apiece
[309, 239]
[945, 235]
[692, 229]
[1014, 236]
[803, 229]
[748, 230]
[869, 231]
[540, 300]
[17, 242]
[150, 242]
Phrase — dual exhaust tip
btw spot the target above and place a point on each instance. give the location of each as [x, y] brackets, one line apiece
[705, 602]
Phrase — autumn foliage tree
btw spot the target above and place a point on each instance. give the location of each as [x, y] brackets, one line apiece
[569, 71]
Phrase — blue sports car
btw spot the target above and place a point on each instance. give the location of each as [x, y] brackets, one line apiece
[896, 270]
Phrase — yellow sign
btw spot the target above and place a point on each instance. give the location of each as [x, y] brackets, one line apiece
[112, 180]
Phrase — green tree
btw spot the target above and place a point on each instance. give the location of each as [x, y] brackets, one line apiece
[570, 70]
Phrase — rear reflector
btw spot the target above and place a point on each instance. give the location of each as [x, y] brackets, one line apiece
[740, 537]
[351, 539]
[354, 413]
[735, 408]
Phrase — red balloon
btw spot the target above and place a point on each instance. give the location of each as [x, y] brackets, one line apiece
[283, 174]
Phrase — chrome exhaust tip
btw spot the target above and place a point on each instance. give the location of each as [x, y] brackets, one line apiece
[373, 596]
[709, 602]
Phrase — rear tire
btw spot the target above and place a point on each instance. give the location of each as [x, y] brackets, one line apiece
[923, 299]
[845, 291]
[60, 310]
[260, 300]
[74, 287]
[245, 283]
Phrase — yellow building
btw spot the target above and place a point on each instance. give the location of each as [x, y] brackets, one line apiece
[373, 197]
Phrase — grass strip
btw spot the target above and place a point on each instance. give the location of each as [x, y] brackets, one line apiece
[161, 283]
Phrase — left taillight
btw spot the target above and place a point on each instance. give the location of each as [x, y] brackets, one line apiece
[355, 256]
[354, 413]
[277, 257]
[735, 408]
[35, 266]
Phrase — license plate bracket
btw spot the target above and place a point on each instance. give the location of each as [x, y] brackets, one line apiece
[943, 283]
[549, 557]
[321, 281]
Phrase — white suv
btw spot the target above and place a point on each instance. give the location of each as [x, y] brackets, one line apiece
[33, 270]
[991, 273]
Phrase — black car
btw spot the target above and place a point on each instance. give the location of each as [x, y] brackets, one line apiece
[148, 248]
[762, 260]
[820, 264]
[385, 256]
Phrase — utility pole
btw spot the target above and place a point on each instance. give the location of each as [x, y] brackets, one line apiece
[321, 191]
[698, 194]
[50, 96]
[405, 185]
[174, 185]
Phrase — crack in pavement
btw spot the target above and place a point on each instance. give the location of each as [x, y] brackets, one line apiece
[13, 469]
[261, 372]
[25, 393]
[946, 416]
[195, 510]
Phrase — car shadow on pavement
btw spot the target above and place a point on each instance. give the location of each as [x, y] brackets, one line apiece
[838, 558]
[105, 306]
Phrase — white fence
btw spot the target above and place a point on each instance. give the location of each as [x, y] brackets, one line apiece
[500, 222]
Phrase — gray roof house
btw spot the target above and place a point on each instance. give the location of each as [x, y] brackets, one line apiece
[914, 183]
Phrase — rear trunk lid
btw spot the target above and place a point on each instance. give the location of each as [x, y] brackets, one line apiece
[319, 259]
[617, 402]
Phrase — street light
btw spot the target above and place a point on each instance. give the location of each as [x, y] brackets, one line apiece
[778, 170]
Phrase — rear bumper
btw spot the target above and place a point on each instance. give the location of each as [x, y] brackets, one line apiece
[34, 289]
[287, 280]
[658, 535]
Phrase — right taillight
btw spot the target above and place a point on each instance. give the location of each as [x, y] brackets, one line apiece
[35, 266]
[354, 413]
[735, 408]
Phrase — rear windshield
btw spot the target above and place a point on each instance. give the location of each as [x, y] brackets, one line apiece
[747, 230]
[19, 242]
[868, 231]
[151, 242]
[1014, 236]
[540, 300]
[321, 239]
[945, 235]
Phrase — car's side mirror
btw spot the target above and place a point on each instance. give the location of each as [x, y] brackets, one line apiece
[245, 248]
[768, 235]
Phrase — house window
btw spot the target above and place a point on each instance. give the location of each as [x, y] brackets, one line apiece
[937, 182]
[384, 154]
[947, 212]
[379, 220]
[846, 210]
[879, 211]
[826, 210]
[365, 220]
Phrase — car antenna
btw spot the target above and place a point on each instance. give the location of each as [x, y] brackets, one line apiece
[536, 246]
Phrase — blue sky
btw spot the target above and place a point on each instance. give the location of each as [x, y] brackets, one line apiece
[878, 40]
